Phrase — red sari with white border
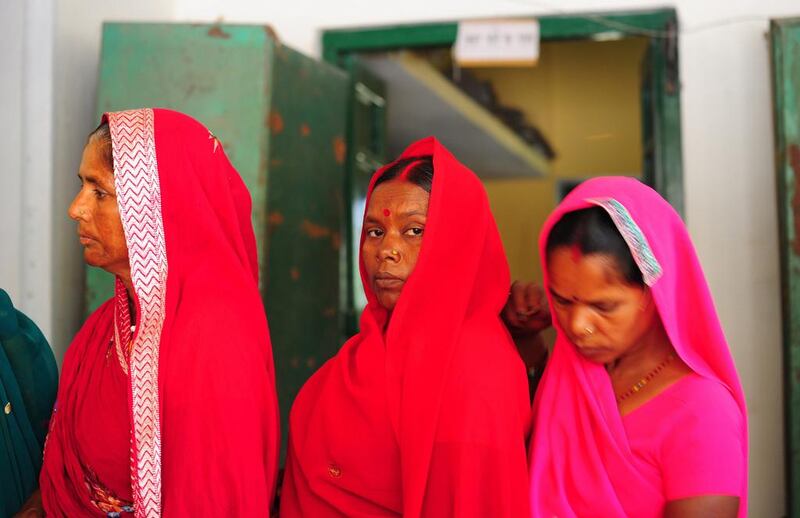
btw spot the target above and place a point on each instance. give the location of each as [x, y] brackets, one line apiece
[178, 417]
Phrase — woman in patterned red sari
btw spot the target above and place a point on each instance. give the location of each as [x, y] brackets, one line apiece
[167, 401]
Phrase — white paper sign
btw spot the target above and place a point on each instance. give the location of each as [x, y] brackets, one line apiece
[497, 43]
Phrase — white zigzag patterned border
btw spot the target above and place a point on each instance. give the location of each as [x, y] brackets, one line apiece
[122, 324]
[139, 200]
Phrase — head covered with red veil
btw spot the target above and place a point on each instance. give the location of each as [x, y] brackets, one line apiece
[422, 413]
[185, 390]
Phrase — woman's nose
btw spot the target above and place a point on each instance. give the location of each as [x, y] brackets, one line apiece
[580, 322]
[390, 250]
[76, 209]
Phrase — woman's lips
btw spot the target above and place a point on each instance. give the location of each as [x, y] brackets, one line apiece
[84, 239]
[591, 353]
[387, 281]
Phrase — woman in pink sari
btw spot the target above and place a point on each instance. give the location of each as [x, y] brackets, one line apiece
[640, 411]
[167, 401]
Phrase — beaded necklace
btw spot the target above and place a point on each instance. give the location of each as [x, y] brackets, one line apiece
[639, 385]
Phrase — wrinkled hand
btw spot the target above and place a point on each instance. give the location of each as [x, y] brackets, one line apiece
[526, 310]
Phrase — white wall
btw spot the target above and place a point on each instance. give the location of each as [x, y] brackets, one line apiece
[26, 37]
[77, 53]
[49, 59]
[728, 159]
[12, 16]
[47, 108]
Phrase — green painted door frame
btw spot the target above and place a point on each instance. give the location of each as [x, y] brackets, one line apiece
[661, 97]
[664, 169]
[785, 47]
[366, 152]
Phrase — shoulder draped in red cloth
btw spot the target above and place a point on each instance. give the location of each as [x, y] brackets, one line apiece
[184, 422]
[428, 419]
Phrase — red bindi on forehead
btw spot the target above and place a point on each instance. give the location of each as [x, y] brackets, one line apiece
[387, 212]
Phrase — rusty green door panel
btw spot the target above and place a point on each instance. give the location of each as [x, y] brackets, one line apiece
[219, 75]
[367, 136]
[281, 119]
[305, 175]
[785, 46]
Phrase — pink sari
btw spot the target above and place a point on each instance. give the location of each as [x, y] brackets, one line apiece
[180, 418]
[582, 463]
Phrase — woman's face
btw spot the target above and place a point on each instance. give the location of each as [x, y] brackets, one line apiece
[394, 223]
[95, 210]
[602, 314]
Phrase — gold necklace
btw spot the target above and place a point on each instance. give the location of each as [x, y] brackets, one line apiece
[639, 385]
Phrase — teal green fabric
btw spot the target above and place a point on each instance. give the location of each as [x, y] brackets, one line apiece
[28, 384]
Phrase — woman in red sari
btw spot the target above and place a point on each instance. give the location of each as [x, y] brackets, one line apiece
[167, 400]
[424, 412]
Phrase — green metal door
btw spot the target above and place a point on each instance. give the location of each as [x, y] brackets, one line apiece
[785, 46]
[305, 213]
[281, 118]
[648, 116]
[661, 130]
[204, 71]
[367, 139]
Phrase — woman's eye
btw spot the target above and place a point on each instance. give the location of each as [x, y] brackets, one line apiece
[374, 232]
[416, 231]
[560, 301]
[99, 194]
[604, 308]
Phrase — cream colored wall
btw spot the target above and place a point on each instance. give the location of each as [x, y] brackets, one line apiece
[584, 96]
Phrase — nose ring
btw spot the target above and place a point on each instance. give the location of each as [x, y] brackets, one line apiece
[395, 252]
[588, 330]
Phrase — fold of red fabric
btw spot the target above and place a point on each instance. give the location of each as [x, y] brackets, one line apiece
[429, 417]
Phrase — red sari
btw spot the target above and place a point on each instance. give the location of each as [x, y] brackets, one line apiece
[429, 418]
[180, 417]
